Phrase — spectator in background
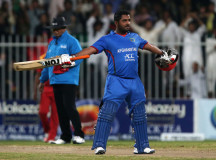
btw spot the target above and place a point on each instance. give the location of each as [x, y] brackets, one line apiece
[170, 35]
[68, 12]
[22, 19]
[196, 82]
[108, 12]
[9, 3]
[55, 7]
[191, 34]
[42, 3]
[147, 30]
[7, 19]
[34, 13]
[41, 27]
[156, 11]
[211, 59]
[211, 18]
[43, 35]
[115, 3]
[96, 28]
[71, 18]
[132, 3]
[84, 9]
[172, 6]
[202, 14]
[3, 26]
[142, 14]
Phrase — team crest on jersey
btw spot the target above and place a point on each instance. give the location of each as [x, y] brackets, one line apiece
[132, 39]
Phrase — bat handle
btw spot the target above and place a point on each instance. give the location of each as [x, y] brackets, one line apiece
[80, 57]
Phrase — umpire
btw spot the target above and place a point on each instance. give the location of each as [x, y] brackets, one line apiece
[64, 79]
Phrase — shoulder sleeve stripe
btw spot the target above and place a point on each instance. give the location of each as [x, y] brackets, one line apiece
[95, 48]
[145, 45]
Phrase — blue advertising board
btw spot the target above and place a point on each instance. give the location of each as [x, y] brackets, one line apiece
[166, 116]
[163, 116]
[20, 120]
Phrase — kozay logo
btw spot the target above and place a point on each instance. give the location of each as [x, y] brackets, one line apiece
[171, 109]
[16, 108]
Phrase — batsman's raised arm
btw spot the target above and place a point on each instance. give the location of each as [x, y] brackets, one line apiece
[86, 51]
[153, 49]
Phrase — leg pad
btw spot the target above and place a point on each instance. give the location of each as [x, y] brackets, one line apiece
[104, 122]
[139, 123]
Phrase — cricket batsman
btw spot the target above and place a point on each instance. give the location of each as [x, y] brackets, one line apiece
[123, 82]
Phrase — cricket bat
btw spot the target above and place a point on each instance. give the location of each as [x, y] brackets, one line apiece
[42, 63]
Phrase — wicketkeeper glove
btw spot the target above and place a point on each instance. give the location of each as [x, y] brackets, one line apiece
[66, 62]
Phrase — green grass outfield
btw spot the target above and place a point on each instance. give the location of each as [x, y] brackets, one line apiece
[35, 150]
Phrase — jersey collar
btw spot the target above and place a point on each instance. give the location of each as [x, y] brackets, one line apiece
[113, 32]
[123, 35]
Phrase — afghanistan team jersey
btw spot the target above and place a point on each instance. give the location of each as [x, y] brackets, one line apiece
[122, 53]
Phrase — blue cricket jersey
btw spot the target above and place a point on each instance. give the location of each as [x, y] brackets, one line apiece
[122, 53]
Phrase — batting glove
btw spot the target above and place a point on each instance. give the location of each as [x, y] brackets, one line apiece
[66, 62]
[165, 58]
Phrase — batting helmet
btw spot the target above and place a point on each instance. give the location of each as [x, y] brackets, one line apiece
[167, 62]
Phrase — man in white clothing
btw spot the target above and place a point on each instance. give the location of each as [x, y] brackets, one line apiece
[196, 82]
[192, 43]
[147, 31]
[170, 37]
[96, 28]
[210, 64]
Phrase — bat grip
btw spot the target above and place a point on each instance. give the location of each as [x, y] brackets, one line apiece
[80, 57]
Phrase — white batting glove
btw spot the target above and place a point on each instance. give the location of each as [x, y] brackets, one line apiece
[73, 63]
[66, 62]
[165, 58]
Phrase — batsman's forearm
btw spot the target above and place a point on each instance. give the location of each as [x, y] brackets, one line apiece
[153, 49]
[86, 51]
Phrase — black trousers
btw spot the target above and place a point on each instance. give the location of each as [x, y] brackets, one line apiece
[65, 101]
